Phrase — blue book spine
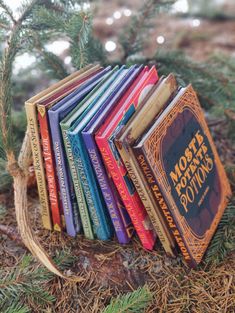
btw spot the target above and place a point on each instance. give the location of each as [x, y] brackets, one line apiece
[72, 220]
[98, 213]
[120, 219]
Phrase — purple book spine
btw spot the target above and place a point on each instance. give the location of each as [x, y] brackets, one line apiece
[121, 222]
[72, 221]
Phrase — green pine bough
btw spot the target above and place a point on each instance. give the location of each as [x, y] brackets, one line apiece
[136, 302]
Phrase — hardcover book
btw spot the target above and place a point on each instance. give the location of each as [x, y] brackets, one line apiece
[97, 209]
[120, 218]
[104, 138]
[31, 113]
[48, 156]
[68, 123]
[138, 123]
[55, 115]
[179, 159]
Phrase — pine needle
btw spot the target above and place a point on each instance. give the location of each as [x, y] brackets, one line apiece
[136, 302]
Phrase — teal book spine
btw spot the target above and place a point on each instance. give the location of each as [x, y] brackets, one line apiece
[66, 124]
[101, 222]
[98, 211]
[82, 205]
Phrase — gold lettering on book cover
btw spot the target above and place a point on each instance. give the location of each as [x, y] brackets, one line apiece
[152, 146]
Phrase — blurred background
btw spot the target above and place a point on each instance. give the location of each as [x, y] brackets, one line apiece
[200, 28]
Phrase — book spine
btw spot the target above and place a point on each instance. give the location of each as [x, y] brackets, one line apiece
[122, 227]
[130, 198]
[65, 182]
[161, 202]
[82, 205]
[50, 167]
[139, 181]
[38, 164]
[81, 158]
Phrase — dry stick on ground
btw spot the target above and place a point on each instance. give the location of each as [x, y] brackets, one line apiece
[19, 172]
[19, 168]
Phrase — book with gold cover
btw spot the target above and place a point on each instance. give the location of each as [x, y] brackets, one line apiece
[182, 168]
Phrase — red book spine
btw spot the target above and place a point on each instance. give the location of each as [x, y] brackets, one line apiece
[132, 202]
[50, 167]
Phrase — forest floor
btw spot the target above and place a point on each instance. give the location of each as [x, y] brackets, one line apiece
[109, 269]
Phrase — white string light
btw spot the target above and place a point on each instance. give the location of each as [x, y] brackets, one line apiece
[23, 61]
[58, 46]
[117, 15]
[127, 12]
[110, 46]
[180, 6]
[160, 40]
[68, 60]
[109, 21]
[195, 23]
[86, 6]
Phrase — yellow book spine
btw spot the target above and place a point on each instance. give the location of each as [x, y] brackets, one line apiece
[38, 164]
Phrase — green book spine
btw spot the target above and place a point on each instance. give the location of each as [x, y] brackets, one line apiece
[82, 205]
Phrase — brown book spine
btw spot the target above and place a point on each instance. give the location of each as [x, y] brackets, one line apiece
[160, 201]
[140, 185]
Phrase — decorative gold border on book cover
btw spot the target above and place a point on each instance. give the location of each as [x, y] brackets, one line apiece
[196, 245]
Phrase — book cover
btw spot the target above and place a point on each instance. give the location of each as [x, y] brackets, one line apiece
[138, 123]
[120, 219]
[66, 124]
[104, 138]
[55, 115]
[182, 166]
[31, 113]
[98, 212]
[48, 156]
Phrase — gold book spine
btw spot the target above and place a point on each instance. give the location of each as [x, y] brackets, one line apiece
[38, 164]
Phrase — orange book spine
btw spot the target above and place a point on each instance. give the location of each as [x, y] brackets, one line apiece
[131, 201]
[50, 168]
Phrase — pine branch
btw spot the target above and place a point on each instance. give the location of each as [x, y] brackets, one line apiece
[78, 30]
[52, 64]
[5, 91]
[26, 10]
[15, 308]
[26, 284]
[223, 241]
[212, 81]
[95, 51]
[136, 301]
[8, 11]
[4, 22]
[133, 38]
